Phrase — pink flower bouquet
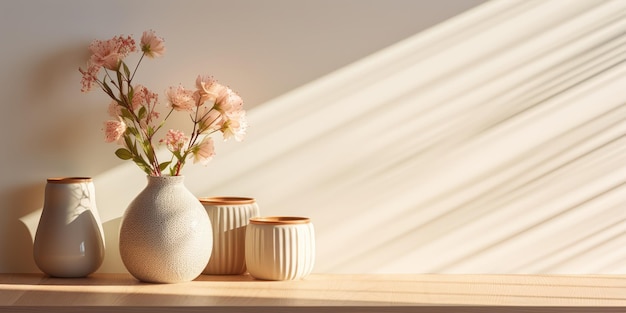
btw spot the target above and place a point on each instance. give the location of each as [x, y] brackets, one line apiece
[136, 121]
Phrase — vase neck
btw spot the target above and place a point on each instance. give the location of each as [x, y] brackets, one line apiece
[165, 180]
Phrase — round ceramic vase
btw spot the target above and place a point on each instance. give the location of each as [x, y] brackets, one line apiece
[229, 217]
[165, 233]
[280, 248]
[69, 241]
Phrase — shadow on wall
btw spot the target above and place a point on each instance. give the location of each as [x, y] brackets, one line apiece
[55, 150]
[486, 145]
[112, 260]
[75, 125]
[16, 238]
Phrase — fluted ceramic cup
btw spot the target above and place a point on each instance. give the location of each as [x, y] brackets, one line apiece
[280, 247]
[229, 217]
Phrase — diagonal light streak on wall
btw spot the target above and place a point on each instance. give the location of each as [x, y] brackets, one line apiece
[494, 142]
[500, 149]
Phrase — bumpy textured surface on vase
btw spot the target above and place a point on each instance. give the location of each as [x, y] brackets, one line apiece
[69, 241]
[165, 234]
[280, 248]
[229, 218]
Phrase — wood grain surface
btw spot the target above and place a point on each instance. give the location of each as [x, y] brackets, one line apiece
[318, 292]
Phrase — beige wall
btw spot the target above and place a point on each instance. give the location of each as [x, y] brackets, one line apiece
[492, 142]
[261, 48]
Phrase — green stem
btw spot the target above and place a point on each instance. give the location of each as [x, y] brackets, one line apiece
[136, 67]
[195, 134]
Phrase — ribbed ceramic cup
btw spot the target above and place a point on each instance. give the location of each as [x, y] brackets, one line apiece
[280, 247]
[229, 217]
[69, 241]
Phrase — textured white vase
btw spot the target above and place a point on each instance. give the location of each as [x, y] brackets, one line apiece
[229, 217]
[69, 241]
[280, 248]
[165, 233]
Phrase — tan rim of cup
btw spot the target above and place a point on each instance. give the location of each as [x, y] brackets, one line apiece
[226, 200]
[69, 180]
[279, 220]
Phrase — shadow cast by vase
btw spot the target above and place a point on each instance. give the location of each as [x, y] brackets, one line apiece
[16, 234]
[112, 260]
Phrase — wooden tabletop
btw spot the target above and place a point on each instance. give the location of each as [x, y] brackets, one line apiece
[380, 293]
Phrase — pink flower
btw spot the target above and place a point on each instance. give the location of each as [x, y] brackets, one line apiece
[143, 97]
[110, 52]
[204, 83]
[204, 151]
[114, 130]
[230, 104]
[152, 45]
[90, 76]
[212, 107]
[235, 126]
[208, 89]
[208, 119]
[139, 97]
[181, 99]
[175, 140]
[115, 109]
